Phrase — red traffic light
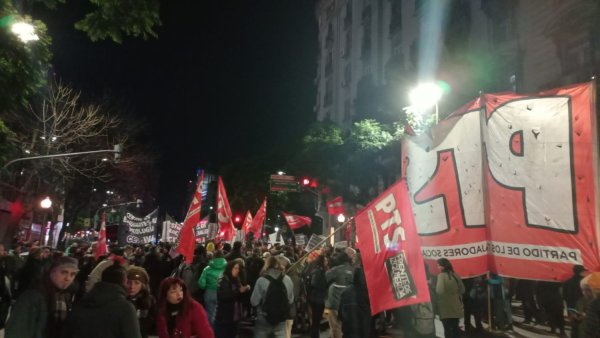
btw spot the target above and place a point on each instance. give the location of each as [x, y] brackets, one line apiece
[237, 219]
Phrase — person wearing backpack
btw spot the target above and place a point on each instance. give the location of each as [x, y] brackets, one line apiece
[273, 295]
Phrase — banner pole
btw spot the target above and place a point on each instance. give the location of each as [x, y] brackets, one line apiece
[489, 299]
[342, 226]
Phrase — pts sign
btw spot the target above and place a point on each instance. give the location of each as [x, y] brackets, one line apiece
[521, 166]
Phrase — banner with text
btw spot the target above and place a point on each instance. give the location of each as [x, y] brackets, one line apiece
[138, 230]
[509, 180]
[390, 251]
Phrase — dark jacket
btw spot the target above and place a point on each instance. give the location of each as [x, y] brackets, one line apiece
[592, 320]
[317, 289]
[145, 308]
[572, 291]
[192, 322]
[104, 312]
[354, 309]
[253, 266]
[228, 301]
[30, 316]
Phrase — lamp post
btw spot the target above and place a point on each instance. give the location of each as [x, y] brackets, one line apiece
[424, 96]
[46, 204]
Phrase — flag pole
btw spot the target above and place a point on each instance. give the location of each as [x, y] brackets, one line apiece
[342, 226]
[489, 301]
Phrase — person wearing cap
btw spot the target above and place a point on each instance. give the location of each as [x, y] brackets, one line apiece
[572, 288]
[42, 311]
[139, 295]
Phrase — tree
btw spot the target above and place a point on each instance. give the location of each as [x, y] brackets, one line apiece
[23, 66]
[115, 18]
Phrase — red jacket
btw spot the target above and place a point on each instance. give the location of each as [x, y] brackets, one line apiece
[192, 323]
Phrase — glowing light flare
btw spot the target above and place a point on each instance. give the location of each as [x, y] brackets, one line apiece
[341, 218]
[424, 96]
[46, 203]
[24, 31]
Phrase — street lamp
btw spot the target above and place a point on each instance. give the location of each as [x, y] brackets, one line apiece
[341, 218]
[276, 229]
[24, 31]
[425, 96]
[46, 203]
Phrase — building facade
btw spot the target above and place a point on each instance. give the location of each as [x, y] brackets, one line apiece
[375, 50]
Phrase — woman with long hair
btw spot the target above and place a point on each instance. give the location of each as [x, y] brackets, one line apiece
[180, 316]
[449, 290]
[138, 293]
[229, 306]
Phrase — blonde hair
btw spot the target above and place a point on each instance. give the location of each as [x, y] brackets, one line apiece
[271, 263]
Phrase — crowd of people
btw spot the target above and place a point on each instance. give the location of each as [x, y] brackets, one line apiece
[136, 292]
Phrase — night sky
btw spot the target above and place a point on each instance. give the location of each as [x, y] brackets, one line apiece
[225, 80]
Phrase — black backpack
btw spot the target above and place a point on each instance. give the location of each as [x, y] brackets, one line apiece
[276, 305]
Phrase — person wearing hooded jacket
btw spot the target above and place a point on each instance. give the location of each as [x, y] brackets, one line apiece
[273, 269]
[354, 310]
[209, 280]
[338, 278]
[105, 311]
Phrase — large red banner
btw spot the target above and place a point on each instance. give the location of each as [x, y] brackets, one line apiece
[390, 251]
[507, 184]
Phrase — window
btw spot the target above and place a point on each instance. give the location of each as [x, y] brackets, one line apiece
[348, 45]
[328, 93]
[329, 63]
[396, 19]
[348, 17]
[347, 75]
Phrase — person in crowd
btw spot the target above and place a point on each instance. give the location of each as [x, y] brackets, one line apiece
[549, 298]
[449, 290]
[296, 283]
[138, 256]
[116, 255]
[138, 293]
[7, 270]
[42, 311]
[585, 317]
[208, 282]
[105, 312]
[525, 292]
[180, 316]
[236, 252]
[572, 292]
[338, 278]
[272, 272]
[501, 311]
[473, 302]
[32, 271]
[158, 267]
[254, 264]
[354, 310]
[229, 295]
[317, 292]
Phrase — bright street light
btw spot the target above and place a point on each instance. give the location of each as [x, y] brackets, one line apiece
[424, 96]
[341, 218]
[24, 31]
[276, 229]
[280, 173]
[46, 203]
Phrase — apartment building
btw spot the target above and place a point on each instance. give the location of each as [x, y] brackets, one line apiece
[378, 49]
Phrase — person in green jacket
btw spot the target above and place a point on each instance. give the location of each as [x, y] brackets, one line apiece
[208, 282]
[41, 312]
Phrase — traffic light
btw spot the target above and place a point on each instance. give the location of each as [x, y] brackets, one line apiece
[305, 181]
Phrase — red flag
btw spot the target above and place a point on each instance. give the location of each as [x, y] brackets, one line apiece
[247, 225]
[390, 251]
[335, 206]
[101, 248]
[226, 229]
[259, 219]
[295, 221]
[187, 238]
